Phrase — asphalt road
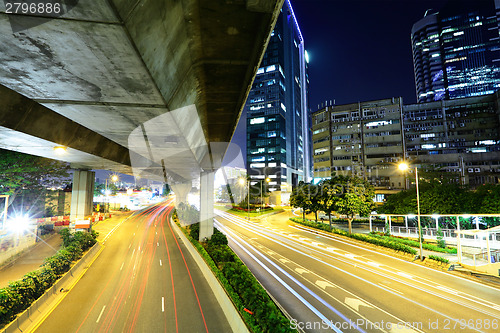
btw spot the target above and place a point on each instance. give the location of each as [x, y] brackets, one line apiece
[329, 283]
[143, 281]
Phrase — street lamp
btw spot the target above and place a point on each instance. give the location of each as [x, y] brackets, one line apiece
[114, 178]
[262, 194]
[403, 167]
[243, 182]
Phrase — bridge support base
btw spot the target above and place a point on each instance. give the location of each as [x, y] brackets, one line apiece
[206, 205]
[82, 194]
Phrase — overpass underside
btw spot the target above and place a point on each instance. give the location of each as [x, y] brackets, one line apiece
[91, 77]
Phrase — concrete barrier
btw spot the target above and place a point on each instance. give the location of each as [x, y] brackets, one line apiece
[232, 315]
[48, 299]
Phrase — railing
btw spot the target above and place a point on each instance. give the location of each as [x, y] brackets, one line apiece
[449, 235]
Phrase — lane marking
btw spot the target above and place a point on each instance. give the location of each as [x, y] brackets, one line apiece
[403, 274]
[160, 263]
[301, 270]
[123, 263]
[394, 290]
[163, 304]
[356, 303]
[100, 314]
[157, 244]
[324, 284]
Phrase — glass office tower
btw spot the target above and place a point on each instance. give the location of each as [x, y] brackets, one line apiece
[278, 132]
[456, 51]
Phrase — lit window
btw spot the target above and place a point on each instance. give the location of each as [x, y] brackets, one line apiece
[270, 68]
[258, 165]
[283, 107]
[257, 120]
[260, 71]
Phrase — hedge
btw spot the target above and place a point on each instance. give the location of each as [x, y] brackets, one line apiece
[240, 284]
[19, 295]
[362, 237]
[413, 243]
[438, 258]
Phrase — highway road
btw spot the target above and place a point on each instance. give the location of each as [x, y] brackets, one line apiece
[143, 281]
[329, 283]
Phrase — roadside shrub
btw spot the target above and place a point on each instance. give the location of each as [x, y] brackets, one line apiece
[438, 258]
[218, 238]
[19, 295]
[373, 239]
[194, 230]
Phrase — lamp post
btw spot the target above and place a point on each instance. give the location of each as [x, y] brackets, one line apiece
[403, 167]
[114, 178]
[242, 182]
[262, 194]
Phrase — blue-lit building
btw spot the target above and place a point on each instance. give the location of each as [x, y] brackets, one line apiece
[456, 51]
[278, 134]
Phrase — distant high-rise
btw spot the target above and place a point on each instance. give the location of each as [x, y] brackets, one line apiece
[456, 51]
[277, 110]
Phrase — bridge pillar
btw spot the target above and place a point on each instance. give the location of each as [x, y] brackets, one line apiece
[181, 191]
[82, 194]
[206, 205]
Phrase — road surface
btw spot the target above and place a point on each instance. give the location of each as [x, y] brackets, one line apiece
[143, 281]
[329, 283]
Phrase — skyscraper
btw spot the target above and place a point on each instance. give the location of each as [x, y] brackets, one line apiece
[456, 51]
[277, 112]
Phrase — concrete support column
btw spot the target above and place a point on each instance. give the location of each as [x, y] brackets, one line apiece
[206, 205]
[181, 191]
[82, 194]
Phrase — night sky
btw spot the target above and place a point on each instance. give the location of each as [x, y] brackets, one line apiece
[359, 50]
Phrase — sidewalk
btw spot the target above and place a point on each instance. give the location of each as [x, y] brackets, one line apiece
[29, 260]
[33, 258]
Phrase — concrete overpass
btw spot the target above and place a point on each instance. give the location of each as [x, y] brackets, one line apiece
[90, 77]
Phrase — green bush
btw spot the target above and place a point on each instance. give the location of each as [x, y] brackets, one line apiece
[19, 295]
[362, 237]
[194, 231]
[413, 243]
[218, 238]
[438, 258]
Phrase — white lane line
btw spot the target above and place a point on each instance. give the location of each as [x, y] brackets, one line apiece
[403, 274]
[123, 263]
[448, 290]
[100, 314]
[160, 263]
[396, 291]
[163, 304]
[129, 245]
[157, 244]
[133, 252]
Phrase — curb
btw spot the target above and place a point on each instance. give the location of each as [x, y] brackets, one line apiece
[48, 300]
[232, 315]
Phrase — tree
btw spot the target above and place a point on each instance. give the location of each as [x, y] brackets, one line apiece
[329, 196]
[32, 175]
[355, 199]
[298, 198]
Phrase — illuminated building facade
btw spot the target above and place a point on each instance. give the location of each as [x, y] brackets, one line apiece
[456, 51]
[277, 114]
[366, 141]
[460, 137]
